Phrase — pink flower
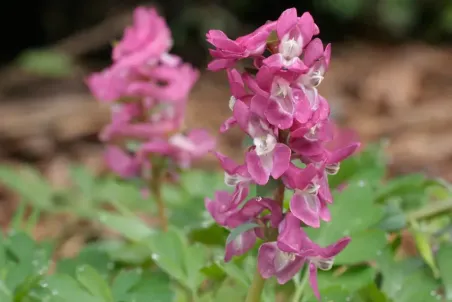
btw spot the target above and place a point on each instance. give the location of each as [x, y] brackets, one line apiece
[235, 176]
[144, 42]
[164, 82]
[294, 34]
[108, 85]
[229, 215]
[228, 51]
[268, 157]
[286, 257]
[123, 164]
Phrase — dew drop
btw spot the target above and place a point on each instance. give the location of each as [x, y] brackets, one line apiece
[54, 292]
[379, 252]
[348, 299]
[433, 293]
[35, 262]
[154, 256]
[81, 269]
[43, 284]
[258, 198]
[361, 183]
[346, 232]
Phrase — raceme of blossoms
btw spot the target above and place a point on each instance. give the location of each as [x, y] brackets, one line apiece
[276, 103]
[148, 89]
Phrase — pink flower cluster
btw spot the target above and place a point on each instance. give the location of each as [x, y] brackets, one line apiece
[148, 89]
[279, 107]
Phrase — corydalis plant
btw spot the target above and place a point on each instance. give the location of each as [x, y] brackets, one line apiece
[279, 107]
[148, 91]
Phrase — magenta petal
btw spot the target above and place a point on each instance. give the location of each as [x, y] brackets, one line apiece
[281, 160]
[255, 168]
[121, 163]
[240, 245]
[277, 116]
[341, 154]
[302, 109]
[324, 190]
[259, 104]
[274, 62]
[226, 163]
[286, 22]
[228, 124]
[335, 248]
[324, 213]
[313, 52]
[313, 280]
[306, 207]
[242, 114]
[273, 262]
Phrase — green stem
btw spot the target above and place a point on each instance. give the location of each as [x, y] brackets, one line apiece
[257, 286]
[300, 286]
[155, 187]
[432, 209]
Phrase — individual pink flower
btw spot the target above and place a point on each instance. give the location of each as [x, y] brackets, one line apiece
[125, 165]
[228, 51]
[294, 34]
[236, 176]
[285, 257]
[268, 157]
[229, 215]
[144, 42]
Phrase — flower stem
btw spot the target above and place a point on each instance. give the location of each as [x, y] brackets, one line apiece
[431, 210]
[257, 286]
[155, 187]
[300, 285]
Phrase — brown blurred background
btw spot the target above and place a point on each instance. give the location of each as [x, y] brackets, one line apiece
[391, 74]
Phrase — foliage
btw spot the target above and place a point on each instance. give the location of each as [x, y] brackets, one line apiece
[184, 264]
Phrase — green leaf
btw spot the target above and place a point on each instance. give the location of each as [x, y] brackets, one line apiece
[268, 190]
[29, 184]
[153, 287]
[124, 282]
[444, 258]
[369, 165]
[352, 280]
[46, 62]
[333, 293]
[69, 289]
[406, 280]
[424, 248]
[236, 273]
[240, 230]
[131, 253]
[202, 183]
[394, 218]
[130, 227]
[352, 212]
[211, 235]
[228, 292]
[168, 252]
[195, 258]
[213, 271]
[365, 246]
[84, 180]
[94, 283]
[90, 255]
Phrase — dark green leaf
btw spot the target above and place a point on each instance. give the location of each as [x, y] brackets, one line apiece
[124, 282]
[444, 258]
[212, 235]
[69, 289]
